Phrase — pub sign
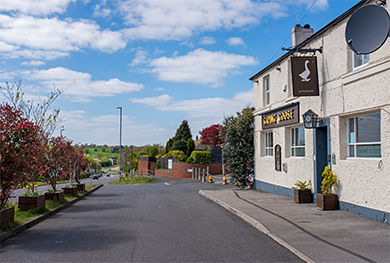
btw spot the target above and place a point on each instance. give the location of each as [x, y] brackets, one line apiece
[286, 115]
[304, 76]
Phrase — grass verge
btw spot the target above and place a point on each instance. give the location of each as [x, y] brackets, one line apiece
[23, 216]
[135, 180]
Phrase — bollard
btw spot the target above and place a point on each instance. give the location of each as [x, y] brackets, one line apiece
[203, 176]
[193, 173]
[224, 181]
[210, 179]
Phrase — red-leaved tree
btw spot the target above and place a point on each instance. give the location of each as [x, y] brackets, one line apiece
[212, 136]
[58, 163]
[20, 148]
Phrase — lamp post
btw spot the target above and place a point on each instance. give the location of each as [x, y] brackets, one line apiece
[62, 129]
[120, 142]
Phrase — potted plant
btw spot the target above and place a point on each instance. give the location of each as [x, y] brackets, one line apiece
[57, 196]
[70, 190]
[327, 200]
[302, 192]
[31, 199]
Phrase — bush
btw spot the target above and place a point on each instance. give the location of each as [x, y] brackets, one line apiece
[190, 160]
[202, 157]
[179, 155]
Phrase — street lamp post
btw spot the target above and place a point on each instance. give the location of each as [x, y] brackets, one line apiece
[62, 129]
[120, 142]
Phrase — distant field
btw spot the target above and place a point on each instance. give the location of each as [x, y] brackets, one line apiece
[99, 151]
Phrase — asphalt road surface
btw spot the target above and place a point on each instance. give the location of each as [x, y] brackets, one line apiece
[162, 222]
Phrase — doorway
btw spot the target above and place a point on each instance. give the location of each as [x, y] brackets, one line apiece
[321, 155]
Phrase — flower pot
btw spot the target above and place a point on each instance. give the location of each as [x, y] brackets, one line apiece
[30, 202]
[58, 196]
[327, 202]
[70, 190]
[7, 215]
[81, 187]
[303, 196]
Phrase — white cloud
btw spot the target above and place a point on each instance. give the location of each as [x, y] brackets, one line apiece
[30, 35]
[33, 63]
[79, 85]
[235, 41]
[207, 41]
[200, 66]
[40, 7]
[179, 19]
[105, 129]
[101, 12]
[200, 108]
[140, 57]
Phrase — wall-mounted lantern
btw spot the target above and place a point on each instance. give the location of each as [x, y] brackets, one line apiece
[310, 119]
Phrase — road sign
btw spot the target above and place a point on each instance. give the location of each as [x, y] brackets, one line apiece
[128, 163]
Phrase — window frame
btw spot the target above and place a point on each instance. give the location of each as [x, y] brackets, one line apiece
[365, 60]
[293, 147]
[267, 91]
[268, 149]
[355, 144]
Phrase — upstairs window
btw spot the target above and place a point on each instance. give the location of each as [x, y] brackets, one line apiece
[364, 136]
[359, 60]
[267, 99]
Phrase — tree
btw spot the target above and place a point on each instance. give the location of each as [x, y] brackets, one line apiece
[153, 151]
[180, 145]
[190, 146]
[42, 114]
[239, 147]
[183, 132]
[212, 136]
[169, 145]
[20, 149]
[58, 161]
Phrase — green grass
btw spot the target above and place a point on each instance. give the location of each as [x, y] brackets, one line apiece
[99, 151]
[135, 180]
[24, 216]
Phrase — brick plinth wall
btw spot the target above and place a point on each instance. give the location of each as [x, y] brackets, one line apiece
[163, 173]
[146, 165]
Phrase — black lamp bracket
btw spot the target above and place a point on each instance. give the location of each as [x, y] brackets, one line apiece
[303, 50]
[380, 2]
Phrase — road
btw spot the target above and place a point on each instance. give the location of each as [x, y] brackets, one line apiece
[161, 222]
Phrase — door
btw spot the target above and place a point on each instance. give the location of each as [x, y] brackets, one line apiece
[321, 153]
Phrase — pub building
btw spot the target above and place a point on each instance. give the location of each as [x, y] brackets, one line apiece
[322, 104]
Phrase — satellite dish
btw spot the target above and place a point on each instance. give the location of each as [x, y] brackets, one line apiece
[367, 29]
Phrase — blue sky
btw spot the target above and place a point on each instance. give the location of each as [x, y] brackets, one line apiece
[162, 61]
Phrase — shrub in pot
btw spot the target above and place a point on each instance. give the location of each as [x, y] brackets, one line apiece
[327, 200]
[302, 192]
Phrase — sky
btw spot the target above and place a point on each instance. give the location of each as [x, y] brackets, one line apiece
[162, 61]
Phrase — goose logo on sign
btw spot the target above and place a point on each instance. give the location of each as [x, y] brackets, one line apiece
[304, 76]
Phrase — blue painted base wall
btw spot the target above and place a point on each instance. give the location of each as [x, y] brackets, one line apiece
[377, 215]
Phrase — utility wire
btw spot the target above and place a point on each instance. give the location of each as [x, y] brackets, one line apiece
[308, 10]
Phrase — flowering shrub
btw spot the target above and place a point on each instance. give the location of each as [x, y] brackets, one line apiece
[328, 181]
[31, 191]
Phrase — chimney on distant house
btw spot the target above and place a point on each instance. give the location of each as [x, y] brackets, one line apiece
[300, 34]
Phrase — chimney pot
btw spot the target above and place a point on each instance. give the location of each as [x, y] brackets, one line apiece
[299, 34]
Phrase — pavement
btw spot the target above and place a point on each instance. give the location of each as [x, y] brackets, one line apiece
[311, 234]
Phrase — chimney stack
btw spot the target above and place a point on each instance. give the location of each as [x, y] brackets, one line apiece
[300, 34]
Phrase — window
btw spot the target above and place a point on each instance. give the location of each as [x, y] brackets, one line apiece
[359, 60]
[269, 144]
[364, 136]
[298, 142]
[267, 99]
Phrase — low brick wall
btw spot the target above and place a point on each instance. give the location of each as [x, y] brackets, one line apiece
[163, 173]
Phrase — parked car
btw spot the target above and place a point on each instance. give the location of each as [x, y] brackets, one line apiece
[94, 177]
[108, 175]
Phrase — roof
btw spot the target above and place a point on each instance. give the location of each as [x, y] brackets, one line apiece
[315, 35]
